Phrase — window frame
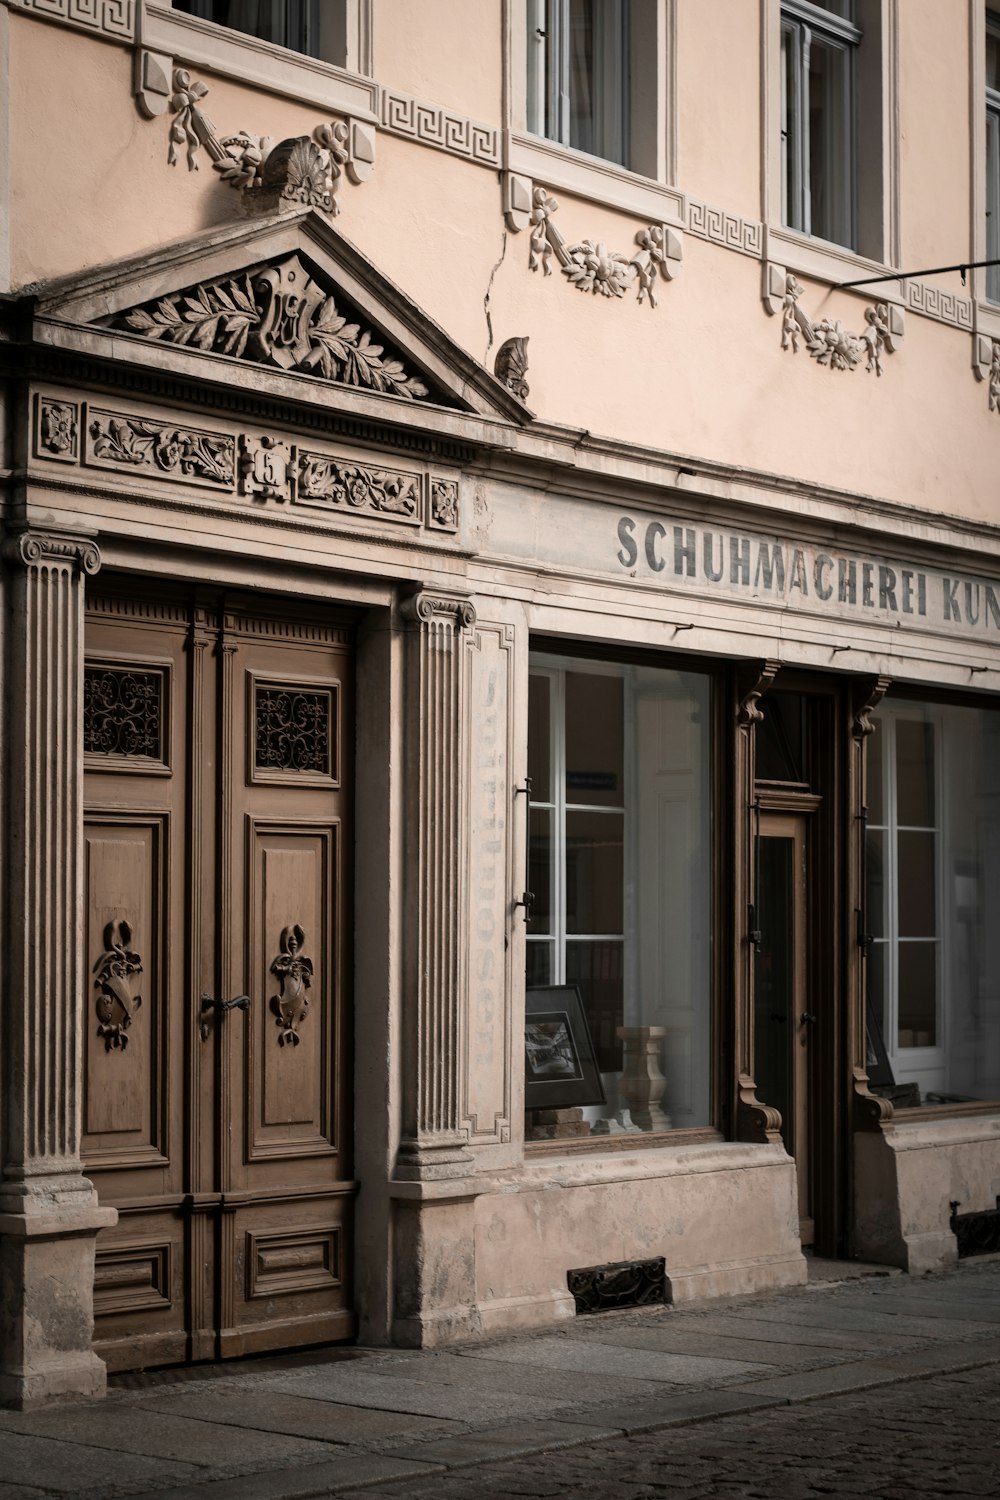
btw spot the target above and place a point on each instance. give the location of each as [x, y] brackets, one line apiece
[801, 24]
[549, 77]
[992, 171]
[906, 1060]
[646, 188]
[876, 122]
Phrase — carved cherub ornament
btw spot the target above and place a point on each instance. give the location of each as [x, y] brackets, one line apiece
[294, 975]
[116, 971]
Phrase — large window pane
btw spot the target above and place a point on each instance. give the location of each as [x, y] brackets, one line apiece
[917, 884]
[539, 740]
[830, 164]
[917, 994]
[594, 872]
[934, 868]
[623, 862]
[289, 23]
[915, 773]
[595, 739]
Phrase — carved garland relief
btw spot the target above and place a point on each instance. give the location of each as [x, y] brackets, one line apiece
[300, 172]
[827, 341]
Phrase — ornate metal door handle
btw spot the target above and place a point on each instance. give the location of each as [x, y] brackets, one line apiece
[240, 1002]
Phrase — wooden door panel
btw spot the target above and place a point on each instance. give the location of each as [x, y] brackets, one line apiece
[293, 1063]
[125, 858]
[291, 1272]
[140, 1305]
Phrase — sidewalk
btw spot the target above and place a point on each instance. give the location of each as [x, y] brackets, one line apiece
[336, 1419]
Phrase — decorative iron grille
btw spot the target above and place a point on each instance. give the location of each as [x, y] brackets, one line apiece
[977, 1233]
[292, 730]
[122, 712]
[626, 1283]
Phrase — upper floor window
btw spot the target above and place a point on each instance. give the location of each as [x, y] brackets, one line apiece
[993, 155]
[288, 23]
[578, 75]
[819, 47]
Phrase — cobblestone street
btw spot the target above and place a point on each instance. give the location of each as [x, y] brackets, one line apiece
[931, 1438]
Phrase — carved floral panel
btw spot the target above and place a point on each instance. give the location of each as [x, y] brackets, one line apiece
[327, 481]
[118, 440]
[57, 429]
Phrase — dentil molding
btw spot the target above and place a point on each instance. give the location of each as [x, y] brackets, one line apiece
[827, 341]
[589, 265]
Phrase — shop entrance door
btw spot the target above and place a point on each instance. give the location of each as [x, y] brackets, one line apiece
[217, 851]
[784, 1021]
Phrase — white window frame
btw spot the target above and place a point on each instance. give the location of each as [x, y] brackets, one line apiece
[877, 124]
[926, 1065]
[992, 173]
[644, 190]
[549, 57]
[801, 24]
[554, 669]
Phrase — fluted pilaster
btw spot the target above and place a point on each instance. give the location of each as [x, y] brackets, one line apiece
[434, 1139]
[49, 1215]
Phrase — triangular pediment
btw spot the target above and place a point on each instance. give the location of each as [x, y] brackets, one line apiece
[289, 295]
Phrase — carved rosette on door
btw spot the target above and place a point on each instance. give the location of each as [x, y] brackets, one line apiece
[294, 973]
[116, 970]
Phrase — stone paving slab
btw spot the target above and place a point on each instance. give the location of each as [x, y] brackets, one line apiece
[806, 1385]
[952, 1308]
[676, 1410]
[301, 1484]
[77, 1470]
[971, 1354]
[468, 1370]
[20, 1492]
[797, 1335]
[721, 1346]
[159, 1435]
[600, 1359]
[513, 1440]
[390, 1393]
[827, 1314]
[300, 1415]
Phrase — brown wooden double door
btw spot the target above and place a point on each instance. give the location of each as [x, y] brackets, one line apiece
[217, 847]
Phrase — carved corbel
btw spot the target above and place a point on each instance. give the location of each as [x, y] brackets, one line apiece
[301, 170]
[755, 684]
[756, 1121]
[517, 205]
[870, 1112]
[986, 365]
[827, 341]
[867, 698]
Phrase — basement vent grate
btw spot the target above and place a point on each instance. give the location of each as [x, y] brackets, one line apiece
[624, 1283]
[977, 1234]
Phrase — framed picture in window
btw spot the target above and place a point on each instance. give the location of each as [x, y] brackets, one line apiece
[560, 1067]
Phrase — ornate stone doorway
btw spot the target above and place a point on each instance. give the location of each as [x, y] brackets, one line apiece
[217, 854]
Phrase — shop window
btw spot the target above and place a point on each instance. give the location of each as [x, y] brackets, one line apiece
[932, 891]
[620, 866]
[993, 155]
[818, 81]
[591, 77]
[294, 24]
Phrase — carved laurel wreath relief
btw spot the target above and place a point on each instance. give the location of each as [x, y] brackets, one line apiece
[294, 973]
[279, 316]
[116, 973]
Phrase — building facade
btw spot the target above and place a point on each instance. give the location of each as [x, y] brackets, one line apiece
[501, 619]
